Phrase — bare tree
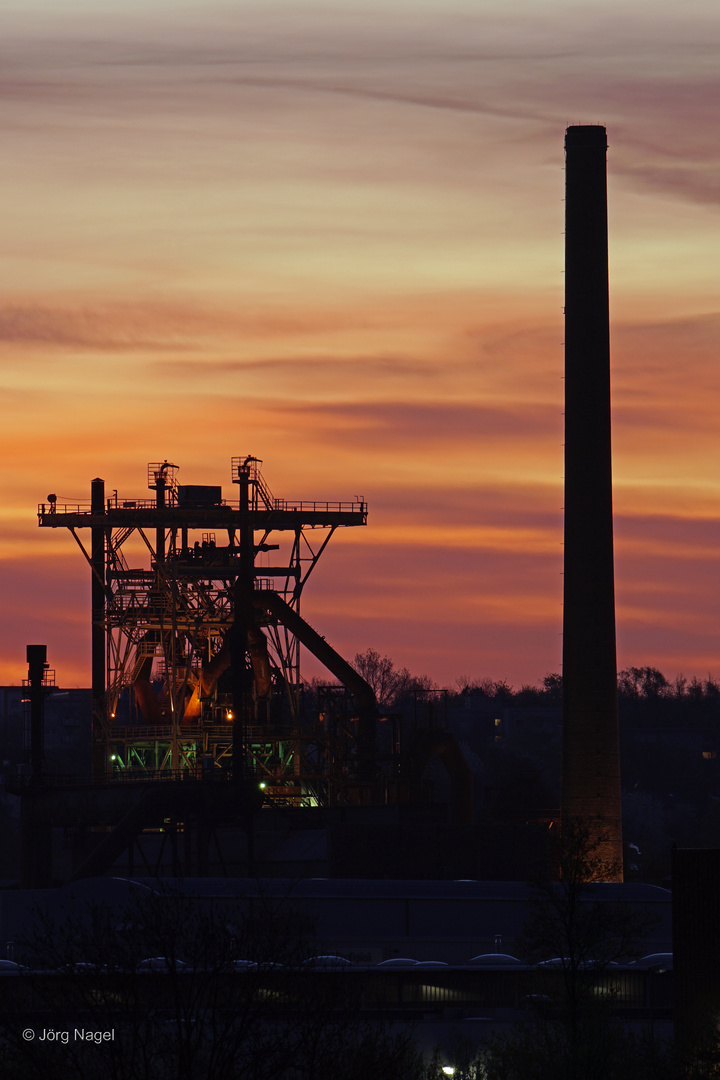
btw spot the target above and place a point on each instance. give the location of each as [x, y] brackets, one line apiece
[168, 989]
[386, 681]
[571, 1033]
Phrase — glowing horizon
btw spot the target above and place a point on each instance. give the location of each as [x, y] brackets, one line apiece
[333, 238]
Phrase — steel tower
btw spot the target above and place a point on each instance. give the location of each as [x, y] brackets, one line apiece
[196, 633]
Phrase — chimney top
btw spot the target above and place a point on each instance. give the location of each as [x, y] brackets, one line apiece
[586, 136]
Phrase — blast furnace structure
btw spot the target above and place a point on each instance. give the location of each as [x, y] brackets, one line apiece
[196, 637]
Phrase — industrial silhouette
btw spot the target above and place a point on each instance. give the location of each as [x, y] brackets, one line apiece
[197, 631]
[591, 755]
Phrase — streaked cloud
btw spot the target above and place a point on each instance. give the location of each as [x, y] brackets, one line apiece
[333, 238]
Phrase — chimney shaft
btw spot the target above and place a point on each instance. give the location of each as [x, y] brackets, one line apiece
[591, 759]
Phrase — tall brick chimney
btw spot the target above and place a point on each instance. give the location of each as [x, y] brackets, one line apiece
[591, 757]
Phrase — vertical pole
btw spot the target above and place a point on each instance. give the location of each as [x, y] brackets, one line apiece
[591, 759]
[98, 642]
[160, 505]
[242, 621]
[35, 829]
[296, 594]
[36, 658]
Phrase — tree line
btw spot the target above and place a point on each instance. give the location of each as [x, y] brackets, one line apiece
[644, 693]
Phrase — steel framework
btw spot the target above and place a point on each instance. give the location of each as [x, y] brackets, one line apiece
[196, 631]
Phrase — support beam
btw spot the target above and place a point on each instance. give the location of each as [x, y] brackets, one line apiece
[98, 641]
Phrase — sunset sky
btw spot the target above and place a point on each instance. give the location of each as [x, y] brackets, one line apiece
[331, 236]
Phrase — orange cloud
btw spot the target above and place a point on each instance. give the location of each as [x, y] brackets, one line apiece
[338, 246]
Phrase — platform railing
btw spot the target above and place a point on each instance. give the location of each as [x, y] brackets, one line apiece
[302, 506]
